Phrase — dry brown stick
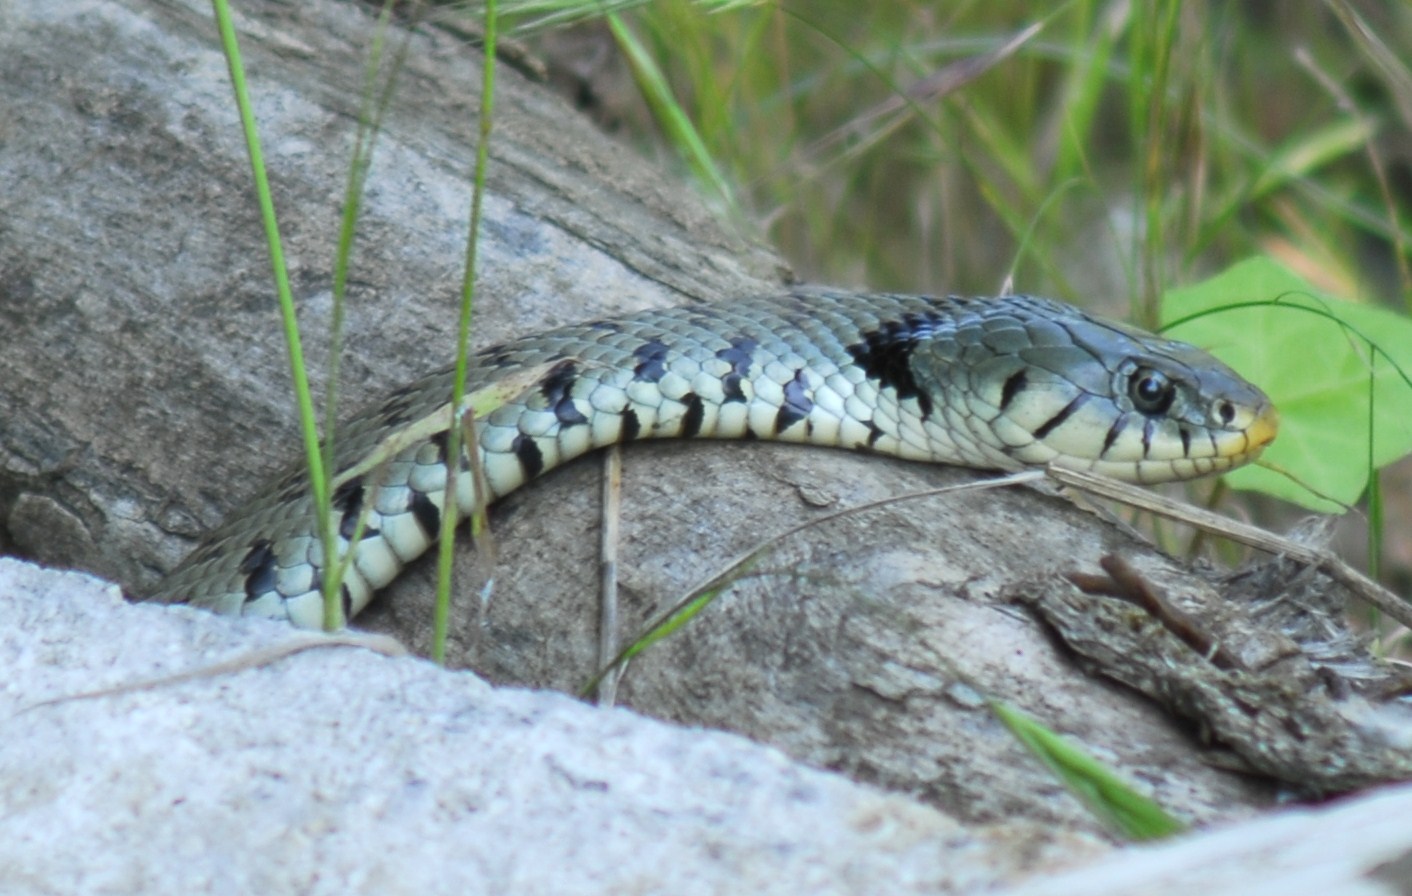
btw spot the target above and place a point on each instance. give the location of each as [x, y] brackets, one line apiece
[250, 659]
[608, 573]
[1246, 534]
[1125, 581]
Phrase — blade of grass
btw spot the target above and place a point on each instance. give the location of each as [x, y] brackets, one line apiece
[873, 126]
[1377, 165]
[669, 113]
[1152, 119]
[318, 475]
[1101, 790]
[1084, 85]
[372, 107]
[665, 627]
[442, 616]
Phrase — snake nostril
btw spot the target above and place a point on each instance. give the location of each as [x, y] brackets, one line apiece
[1225, 411]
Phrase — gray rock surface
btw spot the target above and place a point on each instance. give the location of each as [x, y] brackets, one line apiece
[1352, 847]
[338, 770]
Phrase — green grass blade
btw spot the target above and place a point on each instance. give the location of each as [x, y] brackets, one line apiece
[446, 542]
[1102, 791]
[669, 114]
[372, 107]
[1085, 83]
[318, 475]
[664, 628]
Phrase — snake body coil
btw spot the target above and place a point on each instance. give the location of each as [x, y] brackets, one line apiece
[989, 383]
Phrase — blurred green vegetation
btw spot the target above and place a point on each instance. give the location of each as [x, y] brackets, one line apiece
[1097, 151]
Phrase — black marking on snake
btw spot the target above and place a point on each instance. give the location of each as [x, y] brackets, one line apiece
[497, 356]
[426, 513]
[1014, 385]
[1058, 419]
[1148, 426]
[438, 439]
[606, 326]
[885, 354]
[1186, 440]
[651, 358]
[739, 356]
[632, 426]
[695, 414]
[348, 500]
[528, 453]
[797, 403]
[1111, 437]
[874, 433]
[556, 389]
[258, 567]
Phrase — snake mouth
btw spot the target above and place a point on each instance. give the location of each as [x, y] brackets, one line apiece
[1262, 430]
[1248, 444]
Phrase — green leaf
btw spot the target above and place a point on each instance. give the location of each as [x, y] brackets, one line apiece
[1338, 372]
[1102, 791]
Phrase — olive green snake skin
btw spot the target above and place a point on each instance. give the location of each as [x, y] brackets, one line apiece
[988, 383]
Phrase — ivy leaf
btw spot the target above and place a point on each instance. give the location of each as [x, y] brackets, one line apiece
[1339, 372]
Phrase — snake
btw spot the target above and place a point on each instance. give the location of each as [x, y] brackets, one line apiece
[988, 383]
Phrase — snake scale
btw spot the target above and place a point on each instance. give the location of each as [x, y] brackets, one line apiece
[988, 383]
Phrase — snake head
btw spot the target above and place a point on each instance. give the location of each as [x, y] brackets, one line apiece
[1081, 392]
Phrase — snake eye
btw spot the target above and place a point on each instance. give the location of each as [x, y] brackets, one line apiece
[1151, 391]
